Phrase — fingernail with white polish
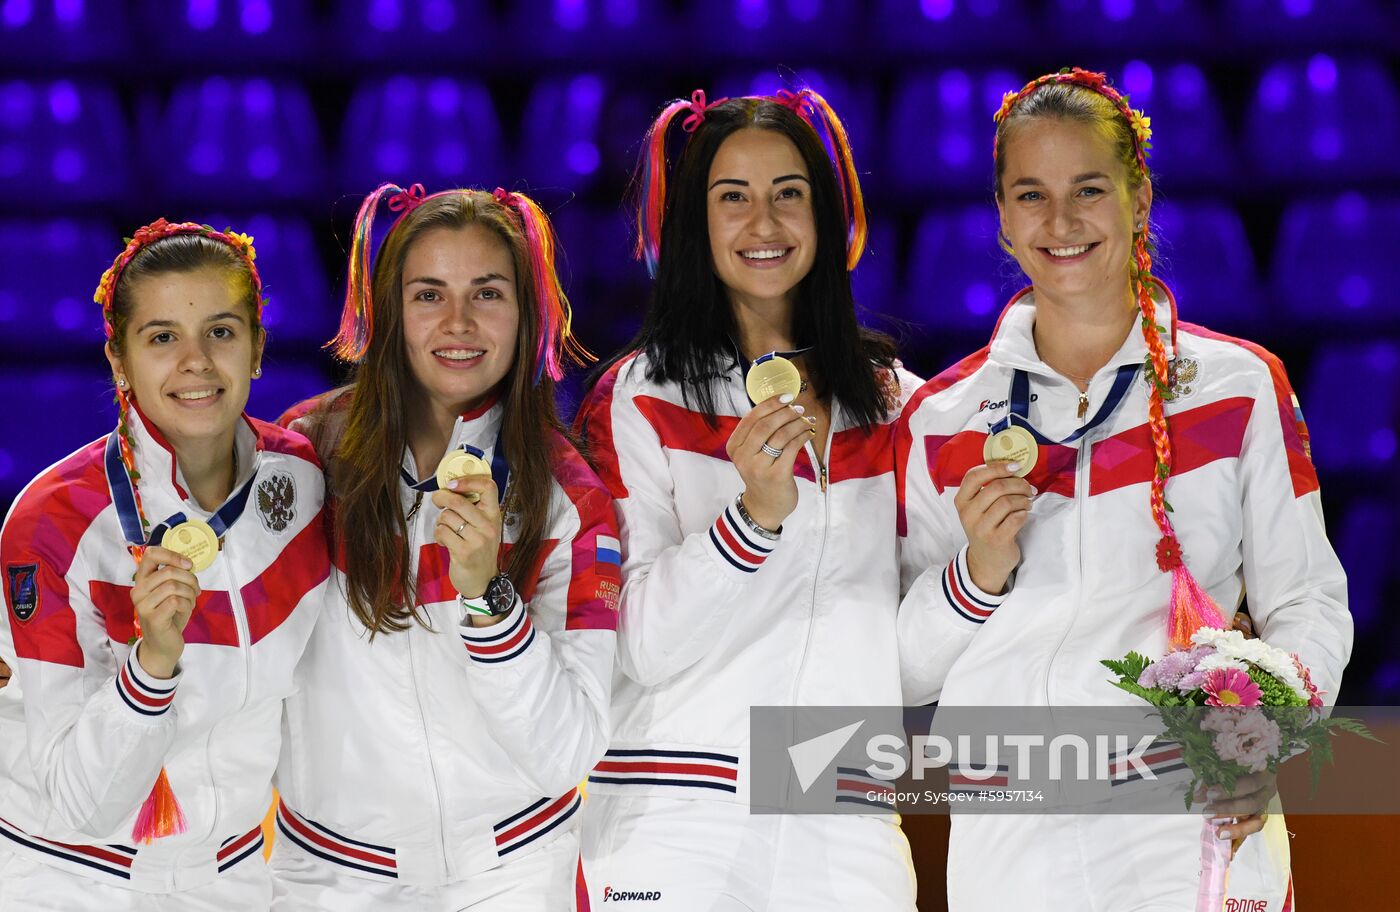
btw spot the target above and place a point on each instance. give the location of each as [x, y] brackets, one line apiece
[798, 409]
[785, 398]
[1013, 467]
[1034, 490]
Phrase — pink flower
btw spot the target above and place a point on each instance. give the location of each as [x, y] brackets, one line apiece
[1230, 687]
[1314, 695]
[1248, 737]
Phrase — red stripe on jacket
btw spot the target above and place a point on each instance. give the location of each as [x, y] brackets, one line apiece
[302, 566]
[951, 458]
[212, 622]
[904, 437]
[44, 529]
[1199, 437]
[434, 562]
[683, 430]
[594, 588]
[1295, 431]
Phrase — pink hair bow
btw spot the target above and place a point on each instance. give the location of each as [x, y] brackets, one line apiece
[698, 107]
[504, 197]
[407, 200]
[797, 102]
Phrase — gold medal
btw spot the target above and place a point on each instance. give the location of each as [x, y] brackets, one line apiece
[774, 377]
[460, 464]
[193, 539]
[1015, 444]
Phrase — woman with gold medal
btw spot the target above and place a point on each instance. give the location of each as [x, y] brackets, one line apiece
[747, 437]
[160, 584]
[455, 693]
[1132, 473]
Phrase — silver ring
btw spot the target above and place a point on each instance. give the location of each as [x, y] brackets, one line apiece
[776, 454]
[461, 527]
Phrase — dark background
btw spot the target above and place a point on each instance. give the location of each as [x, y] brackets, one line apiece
[1277, 152]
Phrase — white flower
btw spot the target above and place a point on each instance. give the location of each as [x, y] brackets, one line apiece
[1232, 645]
[1220, 660]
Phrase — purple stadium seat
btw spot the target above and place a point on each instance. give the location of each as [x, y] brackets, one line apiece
[1191, 146]
[561, 145]
[1324, 119]
[1204, 256]
[593, 32]
[46, 293]
[394, 31]
[66, 31]
[1330, 261]
[229, 31]
[940, 134]
[760, 29]
[1109, 25]
[1351, 402]
[222, 140]
[62, 140]
[381, 135]
[1367, 543]
[1306, 24]
[959, 26]
[958, 277]
[82, 395]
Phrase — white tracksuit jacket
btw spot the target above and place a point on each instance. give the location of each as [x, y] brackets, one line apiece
[425, 756]
[715, 619]
[84, 731]
[1247, 514]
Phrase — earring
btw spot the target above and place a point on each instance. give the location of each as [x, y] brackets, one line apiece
[121, 383]
[1138, 227]
[257, 372]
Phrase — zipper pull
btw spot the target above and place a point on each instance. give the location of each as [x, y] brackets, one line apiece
[823, 477]
[1083, 403]
[413, 510]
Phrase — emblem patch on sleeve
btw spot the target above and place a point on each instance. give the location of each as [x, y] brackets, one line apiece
[277, 497]
[22, 590]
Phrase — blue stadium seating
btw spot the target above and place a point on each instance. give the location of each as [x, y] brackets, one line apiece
[1351, 403]
[1081, 26]
[62, 141]
[942, 27]
[561, 146]
[395, 31]
[283, 384]
[1324, 119]
[1191, 146]
[941, 131]
[593, 31]
[766, 29]
[1332, 261]
[1366, 543]
[380, 136]
[64, 31]
[47, 283]
[1205, 257]
[229, 31]
[82, 396]
[957, 275]
[222, 140]
[1304, 24]
[875, 281]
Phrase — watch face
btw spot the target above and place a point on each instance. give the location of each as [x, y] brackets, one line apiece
[500, 594]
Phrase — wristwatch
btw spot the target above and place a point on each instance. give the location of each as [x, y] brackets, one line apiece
[497, 600]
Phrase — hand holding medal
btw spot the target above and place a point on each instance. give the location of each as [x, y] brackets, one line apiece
[164, 598]
[469, 527]
[993, 505]
[765, 443]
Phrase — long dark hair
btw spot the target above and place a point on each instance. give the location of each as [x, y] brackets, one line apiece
[370, 528]
[689, 326]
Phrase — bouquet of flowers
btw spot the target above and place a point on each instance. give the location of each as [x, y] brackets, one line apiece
[1268, 710]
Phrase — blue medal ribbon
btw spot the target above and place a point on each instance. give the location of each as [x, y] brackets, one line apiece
[1020, 400]
[124, 499]
[500, 471]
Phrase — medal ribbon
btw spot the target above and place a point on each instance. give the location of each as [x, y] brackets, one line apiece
[124, 498]
[1020, 401]
[739, 356]
[500, 471]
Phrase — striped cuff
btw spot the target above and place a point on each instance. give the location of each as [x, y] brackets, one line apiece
[144, 694]
[967, 600]
[736, 544]
[500, 642]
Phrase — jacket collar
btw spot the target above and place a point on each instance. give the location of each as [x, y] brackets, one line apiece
[1013, 341]
[479, 428]
[163, 487]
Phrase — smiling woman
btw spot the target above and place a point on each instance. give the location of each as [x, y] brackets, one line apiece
[466, 666]
[151, 702]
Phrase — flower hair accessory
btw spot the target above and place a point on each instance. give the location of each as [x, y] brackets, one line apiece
[1139, 122]
[1190, 607]
[145, 236]
[807, 104]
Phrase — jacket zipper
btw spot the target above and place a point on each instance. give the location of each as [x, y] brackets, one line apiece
[423, 715]
[1080, 499]
[821, 549]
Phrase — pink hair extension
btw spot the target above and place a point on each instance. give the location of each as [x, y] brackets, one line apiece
[811, 106]
[357, 316]
[556, 341]
[651, 210]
